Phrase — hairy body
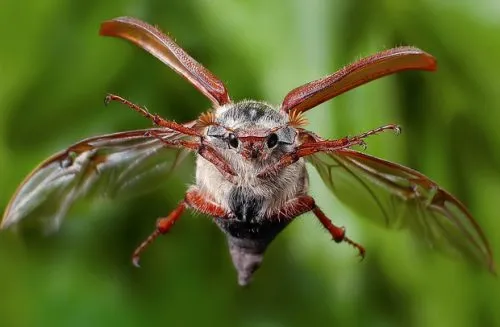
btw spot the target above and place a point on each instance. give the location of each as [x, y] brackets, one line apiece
[254, 205]
[251, 198]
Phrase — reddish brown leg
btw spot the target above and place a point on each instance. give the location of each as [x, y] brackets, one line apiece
[338, 233]
[307, 149]
[389, 127]
[313, 146]
[296, 207]
[157, 120]
[162, 226]
[305, 203]
[203, 149]
[201, 203]
[206, 151]
[213, 156]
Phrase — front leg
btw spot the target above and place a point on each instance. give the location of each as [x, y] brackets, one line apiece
[202, 148]
[156, 119]
[207, 151]
[314, 144]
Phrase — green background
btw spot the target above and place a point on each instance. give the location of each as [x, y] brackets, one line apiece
[55, 71]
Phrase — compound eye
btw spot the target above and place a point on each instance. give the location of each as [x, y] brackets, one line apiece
[233, 141]
[272, 140]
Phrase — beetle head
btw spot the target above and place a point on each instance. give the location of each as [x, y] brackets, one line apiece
[253, 130]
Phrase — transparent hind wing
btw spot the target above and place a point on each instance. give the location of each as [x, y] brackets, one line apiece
[399, 197]
[119, 164]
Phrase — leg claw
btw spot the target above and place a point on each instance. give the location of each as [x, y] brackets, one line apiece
[361, 250]
[107, 99]
[135, 261]
[361, 254]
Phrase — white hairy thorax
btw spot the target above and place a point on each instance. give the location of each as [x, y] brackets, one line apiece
[272, 191]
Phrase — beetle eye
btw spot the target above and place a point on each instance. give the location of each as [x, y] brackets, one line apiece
[233, 141]
[272, 140]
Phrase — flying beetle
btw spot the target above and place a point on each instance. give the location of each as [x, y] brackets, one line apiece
[251, 157]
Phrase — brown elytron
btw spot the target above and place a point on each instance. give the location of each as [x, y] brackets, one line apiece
[250, 164]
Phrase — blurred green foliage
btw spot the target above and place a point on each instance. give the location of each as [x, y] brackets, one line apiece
[55, 71]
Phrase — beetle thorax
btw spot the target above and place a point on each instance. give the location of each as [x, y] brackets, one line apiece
[251, 124]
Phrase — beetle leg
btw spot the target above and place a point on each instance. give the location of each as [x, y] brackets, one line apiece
[338, 233]
[163, 225]
[388, 127]
[211, 154]
[306, 203]
[295, 207]
[314, 145]
[206, 151]
[307, 149]
[156, 119]
[199, 202]
[203, 149]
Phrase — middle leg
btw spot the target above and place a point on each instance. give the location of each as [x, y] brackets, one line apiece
[305, 203]
[199, 202]
[338, 233]
[163, 225]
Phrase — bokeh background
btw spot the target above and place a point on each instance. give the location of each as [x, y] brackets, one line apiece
[55, 71]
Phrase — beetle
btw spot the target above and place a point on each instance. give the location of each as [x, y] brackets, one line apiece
[251, 157]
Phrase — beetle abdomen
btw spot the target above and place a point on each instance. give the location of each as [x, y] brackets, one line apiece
[262, 231]
[248, 242]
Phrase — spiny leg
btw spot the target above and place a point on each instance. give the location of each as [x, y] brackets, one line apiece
[306, 203]
[205, 150]
[338, 233]
[313, 145]
[349, 141]
[388, 127]
[163, 225]
[307, 149]
[296, 207]
[157, 120]
[199, 202]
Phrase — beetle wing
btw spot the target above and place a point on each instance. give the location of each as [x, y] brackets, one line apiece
[400, 197]
[358, 73]
[165, 49]
[107, 166]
